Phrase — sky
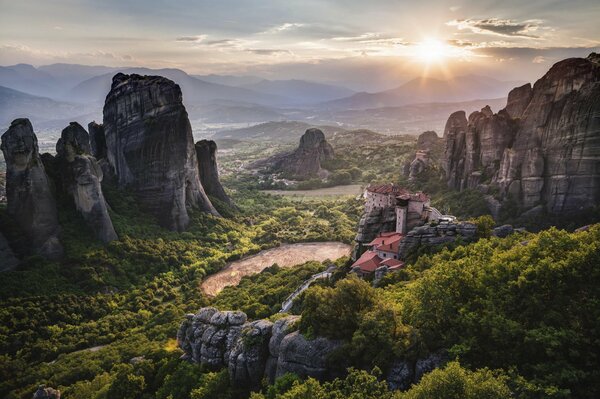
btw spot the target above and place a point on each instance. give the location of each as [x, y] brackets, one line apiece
[366, 44]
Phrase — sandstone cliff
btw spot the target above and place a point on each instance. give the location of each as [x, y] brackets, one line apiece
[542, 149]
[30, 198]
[81, 178]
[304, 162]
[150, 147]
[428, 147]
[206, 151]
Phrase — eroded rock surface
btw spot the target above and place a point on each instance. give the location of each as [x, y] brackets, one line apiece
[432, 235]
[206, 151]
[97, 140]
[542, 149]
[252, 350]
[304, 162]
[81, 177]
[30, 199]
[150, 147]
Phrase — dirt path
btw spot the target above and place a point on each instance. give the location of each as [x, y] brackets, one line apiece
[286, 255]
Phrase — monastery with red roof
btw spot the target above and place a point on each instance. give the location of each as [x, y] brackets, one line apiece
[411, 210]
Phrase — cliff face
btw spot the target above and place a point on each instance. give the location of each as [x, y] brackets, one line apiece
[81, 177]
[542, 149]
[30, 198]
[304, 162]
[253, 350]
[206, 151]
[150, 147]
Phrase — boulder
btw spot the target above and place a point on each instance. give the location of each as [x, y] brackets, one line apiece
[81, 179]
[503, 231]
[46, 393]
[304, 357]
[150, 147]
[206, 151]
[30, 199]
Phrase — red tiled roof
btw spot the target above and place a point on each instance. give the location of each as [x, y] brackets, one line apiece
[390, 236]
[387, 189]
[392, 264]
[398, 192]
[390, 244]
[368, 262]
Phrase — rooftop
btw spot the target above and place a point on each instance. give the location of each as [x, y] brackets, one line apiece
[398, 191]
[392, 264]
[387, 242]
[368, 262]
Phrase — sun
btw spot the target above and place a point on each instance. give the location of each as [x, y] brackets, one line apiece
[431, 51]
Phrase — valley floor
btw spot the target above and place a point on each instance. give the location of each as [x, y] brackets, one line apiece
[287, 255]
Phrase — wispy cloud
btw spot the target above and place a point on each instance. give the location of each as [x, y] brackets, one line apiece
[284, 27]
[499, 27]
[268, 51]
[193, 39]
[372, 38]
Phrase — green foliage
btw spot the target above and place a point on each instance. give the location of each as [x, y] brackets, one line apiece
[484, 224]
[455, 382]
[334, 312]
[502, 303]
[262, 294]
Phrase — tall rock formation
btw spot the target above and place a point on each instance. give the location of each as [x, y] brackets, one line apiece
[543, 149]
[428, 147]
[30, 199]
[81, 178]
[150, 147]
[97, 140]
[206, 151]
[304, 162]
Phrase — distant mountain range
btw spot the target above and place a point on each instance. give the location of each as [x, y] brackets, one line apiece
[52, 94]
[15, 104]
[428, 90]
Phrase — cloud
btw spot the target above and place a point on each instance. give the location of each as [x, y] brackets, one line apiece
[263, 51]
[539, 60]
[284, 27]
[194, 39]
[372, 38]
[499, 27]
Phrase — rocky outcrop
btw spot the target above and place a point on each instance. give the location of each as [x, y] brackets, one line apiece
[404, 373]
[81, 178]
[428, 140]
[97, 140]
[150, 147]
[252, 350]
[206, 151]
[436, 234]
[44, 392]
[30, 198]
[374, 222]
[542, 149]
[304, 357]
[428, 146]
[249, 355]
[303, 163]
[8, 260]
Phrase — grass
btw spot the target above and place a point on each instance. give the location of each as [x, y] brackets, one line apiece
[335, 192]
